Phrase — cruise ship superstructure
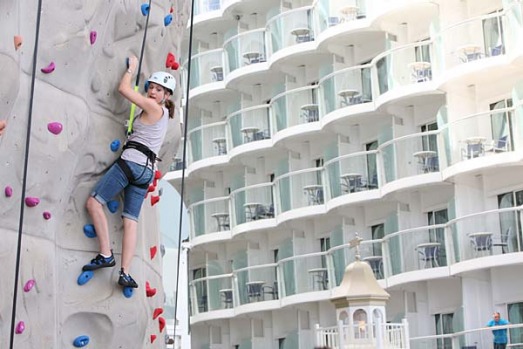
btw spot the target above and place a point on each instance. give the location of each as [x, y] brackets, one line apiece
[313, 121]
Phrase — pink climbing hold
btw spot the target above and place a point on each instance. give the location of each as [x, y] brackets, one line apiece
[8, 191]
[32, 201]
[49, 69]
[20, 327]
[55, 127]
[29, 285]
[92, 37]
[47, 215]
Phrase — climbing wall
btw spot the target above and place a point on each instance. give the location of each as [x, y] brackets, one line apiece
[77, 117]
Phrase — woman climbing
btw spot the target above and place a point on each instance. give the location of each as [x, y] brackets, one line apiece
[134, 170]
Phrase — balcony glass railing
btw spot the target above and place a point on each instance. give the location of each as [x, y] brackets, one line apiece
[256, 283]
[473, 39]
[245, 49]
[344, 88]
[410, 155]
[351, 173]
[177, 163]
[334, 12]
[206, 67]
[205, 6]
[209, 216]
[211, 293]
[480, 135]
[249, 125]
[290, 28]
[304, 273]
[295, 107]
[402, 66]
[299, 189]
[252, 203]
[207, 141]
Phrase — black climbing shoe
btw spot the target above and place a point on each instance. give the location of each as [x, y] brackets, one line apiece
[100, 262]
[126, 280]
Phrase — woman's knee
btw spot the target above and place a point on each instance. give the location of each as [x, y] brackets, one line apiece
[92, 204]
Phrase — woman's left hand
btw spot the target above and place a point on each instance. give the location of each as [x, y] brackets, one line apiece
[133, 63]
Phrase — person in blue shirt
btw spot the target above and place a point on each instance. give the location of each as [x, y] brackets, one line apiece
[500, 336]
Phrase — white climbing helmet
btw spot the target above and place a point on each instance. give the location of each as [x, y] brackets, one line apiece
[163, 79]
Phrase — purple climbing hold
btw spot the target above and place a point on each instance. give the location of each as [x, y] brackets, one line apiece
[49, 69]
[81, 341]
[145, 9]
[47, 215]
[31, 201]
[115, 145]
[55, 127]
[20, 327]
[92, 37]
[113, 205]
[8, 191]
[89, 231]
[168, 19]
[29, 285]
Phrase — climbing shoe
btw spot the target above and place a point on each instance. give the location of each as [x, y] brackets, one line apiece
[126, 280]
[100, 262]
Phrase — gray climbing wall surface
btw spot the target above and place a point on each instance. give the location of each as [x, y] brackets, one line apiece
[77, 114]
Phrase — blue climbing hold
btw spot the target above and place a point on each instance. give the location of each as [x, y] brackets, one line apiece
[145, 9]
[146, 86]
[113, 205]
[81, 341]
[168, 19]
[84, 277]
[128, 292]
[115, 145]
[89, 231]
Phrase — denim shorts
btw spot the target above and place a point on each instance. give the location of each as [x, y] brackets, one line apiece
[114, 181]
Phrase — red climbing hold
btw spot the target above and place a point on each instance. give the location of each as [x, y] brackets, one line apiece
[157, 312]
[47, 215]
[55, 127]
[157, 174]
[49, 69]
[175, 66]
[171, 10]
[149, 291]
[92, 37]
[153, 338]
[31, 202]
[152, 251]
[18, 41]
[170, 60]
[161, 323]
[154, 199]
[8, 191]
[151, 188]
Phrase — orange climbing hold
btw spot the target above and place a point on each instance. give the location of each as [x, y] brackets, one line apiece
[152, 251]
[153, 338]
[161, 323]
[155, 199]
[18, 41]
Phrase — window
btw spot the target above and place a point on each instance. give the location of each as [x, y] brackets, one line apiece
[510, 222]
[438, 234]
[422, 52]
[325, 245]
[515, 316]
[372, 169]
[501, 125]
[493, 35]
[443, 324]
[377, 232]
[201, 288]
[429, 142]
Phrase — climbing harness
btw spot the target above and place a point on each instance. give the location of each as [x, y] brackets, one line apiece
[136, 84]
[24, 177]
[151, 157]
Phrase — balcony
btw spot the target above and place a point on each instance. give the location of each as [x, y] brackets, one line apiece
[207, 141]
[304, 273]
[256, 284]
[290, 28]
[249, 125]
[211, 293]
[331, 13]
[245, 49]
[346, 87]
[252, 204]
[206, 68]
[209, 217]
[351, 173]
[299, 189]
[206, 6]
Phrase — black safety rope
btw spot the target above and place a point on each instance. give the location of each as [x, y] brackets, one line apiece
[137, 83]
[24, 176]
[185, 127]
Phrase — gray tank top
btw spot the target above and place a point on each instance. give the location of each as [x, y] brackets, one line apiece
[151, 136]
